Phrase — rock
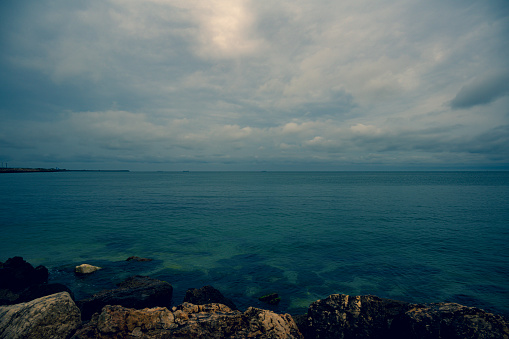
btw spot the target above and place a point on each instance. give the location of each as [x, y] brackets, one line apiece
[86, 269]
[135, 292]
[207, 295]
[53, 316]
[133, 258]
[17, 274]
[21, 282]
[188, 321]
[449, 320]
[343, 316]
[271, 299]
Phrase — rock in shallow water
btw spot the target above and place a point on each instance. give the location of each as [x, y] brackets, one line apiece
[53, 316]
[189, 321]
[86, 269]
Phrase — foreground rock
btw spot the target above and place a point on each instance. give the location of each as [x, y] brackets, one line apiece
[343, 316]
[53, 316]
[207, 295]
[449, 320]
[135, 292]
[189, 321]
[21, 282]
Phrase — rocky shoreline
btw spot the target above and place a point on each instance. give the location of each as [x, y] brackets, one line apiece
[143, 307]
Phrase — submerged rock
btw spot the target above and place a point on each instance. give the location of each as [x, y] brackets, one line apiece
[53, 316]
[133, 258]
[189, 321]
[86, 269]
[271, 299]
[207, 295]
[134, 292]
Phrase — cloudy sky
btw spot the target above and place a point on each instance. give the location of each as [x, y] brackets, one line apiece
[255, 85]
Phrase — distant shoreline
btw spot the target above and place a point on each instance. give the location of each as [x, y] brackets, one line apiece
[37, 170]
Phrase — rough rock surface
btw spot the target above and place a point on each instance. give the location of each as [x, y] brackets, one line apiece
[86, 269]
[135, 292]
[207, 295]
[449, 320]
[343, 316]
[188, 321]
[53, 316]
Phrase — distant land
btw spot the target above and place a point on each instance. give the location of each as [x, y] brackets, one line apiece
[32, 170]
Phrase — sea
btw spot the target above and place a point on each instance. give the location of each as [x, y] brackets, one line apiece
[420, 237]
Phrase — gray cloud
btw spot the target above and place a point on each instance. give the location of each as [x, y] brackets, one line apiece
[163, 84]
[482, 90]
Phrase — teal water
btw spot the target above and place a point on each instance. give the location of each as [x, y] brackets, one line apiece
[413, 236]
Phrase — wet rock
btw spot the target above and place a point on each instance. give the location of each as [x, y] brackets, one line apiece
[133, 258]
[86, 269]
[135, 292]
[53, 316]
[449, 320]
[16, 274]
[344, 316]
[207, 295]
[189, 321]
[21, 282]
[271, 299]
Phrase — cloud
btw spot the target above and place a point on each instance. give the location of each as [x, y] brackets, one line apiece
[156, 82]
[482, 90]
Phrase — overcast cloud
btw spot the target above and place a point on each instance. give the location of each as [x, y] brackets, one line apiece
[254, 85]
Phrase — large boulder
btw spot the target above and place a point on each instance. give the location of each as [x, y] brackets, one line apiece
[207, 295]
[344, 316]
[449, 320]
[53, 316]
[21, 282]
[189, 321]
[135, 292]
[16, 274]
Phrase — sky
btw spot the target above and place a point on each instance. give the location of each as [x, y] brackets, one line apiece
[255, 85]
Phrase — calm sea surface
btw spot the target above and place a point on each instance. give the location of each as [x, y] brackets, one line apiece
[412, 236]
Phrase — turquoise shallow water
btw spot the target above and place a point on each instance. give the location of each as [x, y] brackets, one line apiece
[413, 236]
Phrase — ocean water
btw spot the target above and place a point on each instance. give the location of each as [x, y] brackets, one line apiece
[412, 236]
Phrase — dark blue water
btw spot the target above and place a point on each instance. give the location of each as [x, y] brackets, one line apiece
[413, 236]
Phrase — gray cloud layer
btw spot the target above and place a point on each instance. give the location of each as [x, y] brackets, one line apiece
[165, 84]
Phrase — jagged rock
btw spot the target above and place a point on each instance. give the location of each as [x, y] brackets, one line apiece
[449, 320]
[86, 269]
[133, 258]
[135, 292]
[17, 274]
[343, 316]
[53, 316]
[271, 299]
[189, 321]
[207, 295]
